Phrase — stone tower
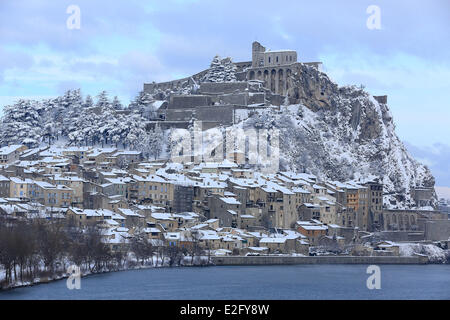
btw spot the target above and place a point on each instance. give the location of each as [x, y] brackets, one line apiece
[257, 49]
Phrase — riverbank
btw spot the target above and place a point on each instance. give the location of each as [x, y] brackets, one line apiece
[250, 260]
[289, 260]
[155, 263]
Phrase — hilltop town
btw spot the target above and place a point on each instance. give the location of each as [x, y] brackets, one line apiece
[221, 206]
[336, 133]
[344, 183]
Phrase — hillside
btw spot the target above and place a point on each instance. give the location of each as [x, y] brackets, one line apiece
[343, 133]
[338, 133]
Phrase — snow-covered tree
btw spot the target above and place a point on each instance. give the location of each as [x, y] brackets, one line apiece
[22, 121]
[89, 102]
[221, 70]
[155, 142]
[142, 100]
[102, 100]
[116, 104]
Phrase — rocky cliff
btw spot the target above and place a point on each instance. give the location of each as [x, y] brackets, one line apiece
[343, 133]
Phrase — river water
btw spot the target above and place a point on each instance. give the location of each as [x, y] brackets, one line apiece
[252, 282]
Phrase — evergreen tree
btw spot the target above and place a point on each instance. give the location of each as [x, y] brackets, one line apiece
[116, 105]
[221, 70]
[89, 102]
[142, 101]
[21, 122]
[103, 101]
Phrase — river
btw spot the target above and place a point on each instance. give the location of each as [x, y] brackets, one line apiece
[251, 282]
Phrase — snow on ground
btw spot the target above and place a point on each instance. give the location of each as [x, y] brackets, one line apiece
[434, 253]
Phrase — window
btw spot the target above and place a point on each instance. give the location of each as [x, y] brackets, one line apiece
[269, 59]
[277, 59]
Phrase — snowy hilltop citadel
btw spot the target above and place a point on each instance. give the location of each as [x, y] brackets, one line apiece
[335, 133]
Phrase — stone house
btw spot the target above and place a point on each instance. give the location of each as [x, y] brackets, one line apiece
[226, 209]
[314, 230]
[11, 153]
[274, 245]
[4, 187]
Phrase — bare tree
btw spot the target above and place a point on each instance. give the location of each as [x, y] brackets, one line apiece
[50, 236]
[7, 252]
[175, 255]
[194, 248]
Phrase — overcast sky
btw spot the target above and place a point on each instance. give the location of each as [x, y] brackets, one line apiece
[121, 44]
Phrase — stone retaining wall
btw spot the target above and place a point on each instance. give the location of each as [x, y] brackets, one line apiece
[272, 260]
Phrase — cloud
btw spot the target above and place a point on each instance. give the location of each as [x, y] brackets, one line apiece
[35, 22]
[13, 60]
[136, 68]
[313, 26]
[122, 44]
[416, 88]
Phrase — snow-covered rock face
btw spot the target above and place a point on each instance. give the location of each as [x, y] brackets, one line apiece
[343, 133]
[434, 253]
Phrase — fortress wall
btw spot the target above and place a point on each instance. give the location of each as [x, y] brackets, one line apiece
[241, 76]
[422, 196]
[189, 101]
[276, 99]
[221, 114]
[164, 125]
[256, 98]
[215, 114]
[206, 125]
[150, 87]
[437, 230]
[179, 114]
[397, 236]
[236, 98]
[243, 65]
[222, 87]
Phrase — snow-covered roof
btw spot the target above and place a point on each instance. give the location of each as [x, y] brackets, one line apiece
[130, 213]
[273, 240]
[9, 149]
[260, 249]
[230, 200]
